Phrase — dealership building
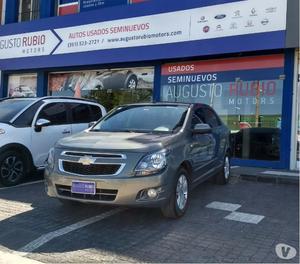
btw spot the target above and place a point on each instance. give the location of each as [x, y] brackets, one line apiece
[239, 56]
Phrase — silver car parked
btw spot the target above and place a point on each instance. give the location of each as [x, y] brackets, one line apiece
[141, 155]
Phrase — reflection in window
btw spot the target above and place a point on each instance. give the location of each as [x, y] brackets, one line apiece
[110, 87]
[1, 11]
[29, 10]
[22, 85]
[298, 117]
[55, 112]
[245, 92]
[256, 124]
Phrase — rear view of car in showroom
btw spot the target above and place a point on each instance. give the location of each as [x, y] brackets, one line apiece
[141, 155]
[29, 127]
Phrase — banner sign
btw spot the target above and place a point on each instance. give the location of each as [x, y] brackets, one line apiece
[88, 5]
[27, 45]
[211, 22]
[231, 86]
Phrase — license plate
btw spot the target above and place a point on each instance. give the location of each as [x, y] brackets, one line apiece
[83, 187]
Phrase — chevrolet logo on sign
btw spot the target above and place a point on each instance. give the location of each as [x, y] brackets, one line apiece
[87, 160]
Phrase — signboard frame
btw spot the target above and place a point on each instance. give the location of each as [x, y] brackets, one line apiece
[137, 53]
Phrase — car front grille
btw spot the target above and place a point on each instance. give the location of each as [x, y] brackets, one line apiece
[90, 170]
[93, 155]
[101, 194]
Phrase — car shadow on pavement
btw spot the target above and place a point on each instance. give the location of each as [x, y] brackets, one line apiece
[36, 176]
[143, 235]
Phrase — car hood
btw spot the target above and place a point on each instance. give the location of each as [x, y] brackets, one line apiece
[5, 126]
[115, 141]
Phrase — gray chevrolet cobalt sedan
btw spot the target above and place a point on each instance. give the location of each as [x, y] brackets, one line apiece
[141, 155]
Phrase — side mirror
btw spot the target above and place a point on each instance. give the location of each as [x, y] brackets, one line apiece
[40, 124]
[92, 123]
[202, 129]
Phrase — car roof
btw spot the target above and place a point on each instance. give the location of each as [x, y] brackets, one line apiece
[18, 99]
[167, 104]
[50, 98]
[157, 104]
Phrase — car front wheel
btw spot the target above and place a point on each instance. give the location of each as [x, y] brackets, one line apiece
[223, 177]
[177, 204]
[13, 168]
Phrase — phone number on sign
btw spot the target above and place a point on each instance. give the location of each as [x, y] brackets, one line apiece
[85, 43]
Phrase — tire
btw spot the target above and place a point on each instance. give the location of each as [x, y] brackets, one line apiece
[223, 176]
[176, 207]
[131, 83]
[13, 168]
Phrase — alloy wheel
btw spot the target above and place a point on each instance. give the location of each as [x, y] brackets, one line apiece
[182, 192]
[132, 84]
[226, 168]
[12, 168]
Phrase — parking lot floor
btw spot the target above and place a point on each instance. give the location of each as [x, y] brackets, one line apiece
[240, 222]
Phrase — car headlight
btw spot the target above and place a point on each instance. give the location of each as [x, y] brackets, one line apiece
[152, 164]
[2, 131]
[50, 159]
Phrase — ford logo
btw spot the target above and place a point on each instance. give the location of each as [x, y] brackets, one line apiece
[220, 16]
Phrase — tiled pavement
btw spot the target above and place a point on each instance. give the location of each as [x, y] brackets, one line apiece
[143, 235]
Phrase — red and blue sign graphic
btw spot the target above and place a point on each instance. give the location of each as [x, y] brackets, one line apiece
[231, 86]
[66, 7]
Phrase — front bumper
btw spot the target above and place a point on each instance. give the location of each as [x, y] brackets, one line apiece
[126, 191]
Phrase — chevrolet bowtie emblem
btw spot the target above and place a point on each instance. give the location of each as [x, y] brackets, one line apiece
[87, 160]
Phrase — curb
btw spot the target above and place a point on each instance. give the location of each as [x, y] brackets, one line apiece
[268, 178]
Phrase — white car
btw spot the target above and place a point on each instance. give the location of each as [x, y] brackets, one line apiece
[29, 127]
[23, 91]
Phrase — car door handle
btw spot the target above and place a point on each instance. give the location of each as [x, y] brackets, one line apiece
[66, 132]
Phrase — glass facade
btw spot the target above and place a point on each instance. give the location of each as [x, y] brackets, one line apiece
[111, 87]
[245, 92]
[29, 10]
[22, 85]
[1, 11]
[298, 116]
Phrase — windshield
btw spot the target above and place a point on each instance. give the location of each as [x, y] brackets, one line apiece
[9, 108]
[143, 119]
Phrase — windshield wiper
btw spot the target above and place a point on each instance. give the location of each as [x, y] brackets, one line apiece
[119, 131]
[131, 131]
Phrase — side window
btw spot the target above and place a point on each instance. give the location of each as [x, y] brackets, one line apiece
[25, 119]
[96, 113]
[56, 113]
[28, 10]
[211, 118]
[80, 113]
[195, 120]
[200, 114]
